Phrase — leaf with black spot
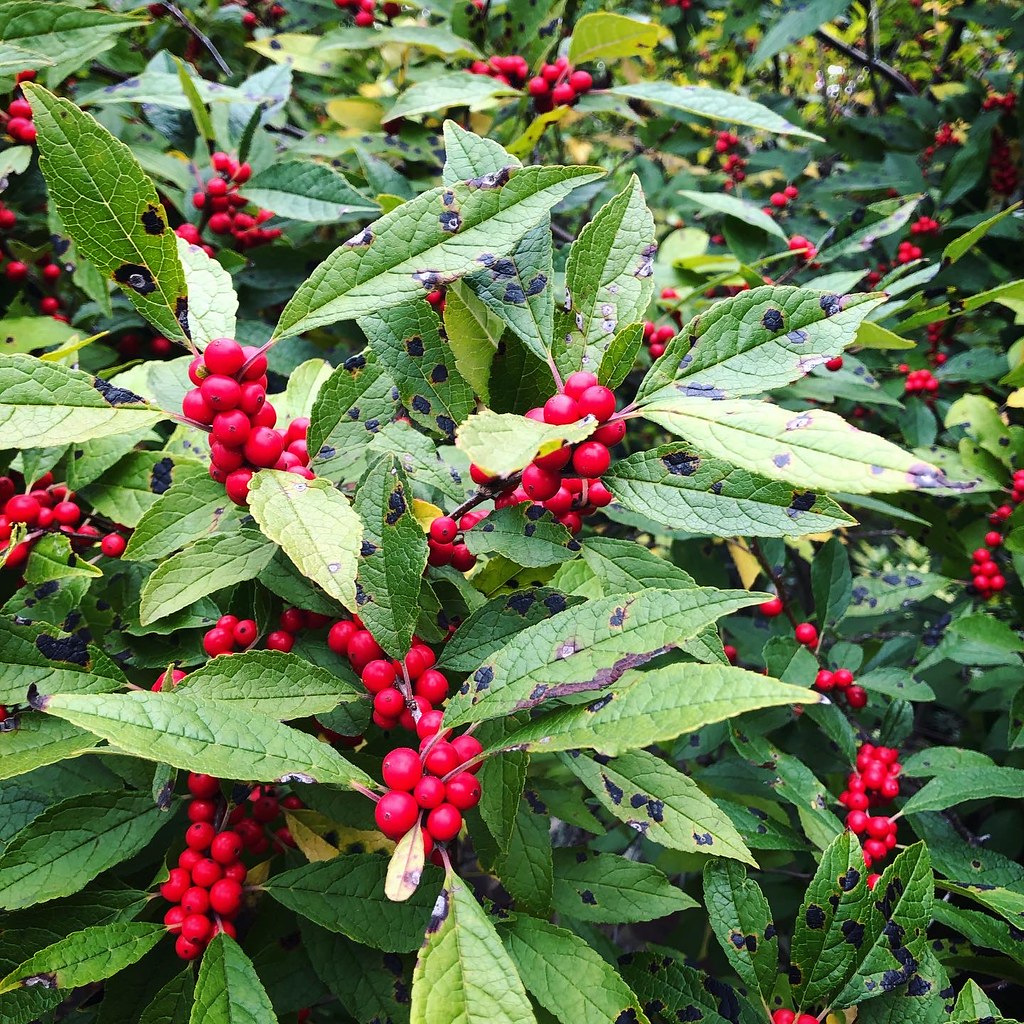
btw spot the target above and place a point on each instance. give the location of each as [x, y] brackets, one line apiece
[526, 538]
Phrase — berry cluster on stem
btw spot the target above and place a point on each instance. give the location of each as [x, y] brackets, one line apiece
[873, 783]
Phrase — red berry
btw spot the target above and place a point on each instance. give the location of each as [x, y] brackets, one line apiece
[292, 620]
[218, 640]
[206, 872]
[226, 897]
[478, 476]
[378, 675]
[226, 847]
[444, 822]
[537, 86]
[339, 635]
[362, 649]
[561, 409]
[429, 792]
[224, 356]
[468, 747]
[280, 640]
[771, 608]
[264, 446]
[186, 949]
[581, 81]
[22, 508]
[857, 821]
[463, 791]
[199, 835]
[539, 483]
[783, 1017]
[825, 680]
[563, 93]
[432, 685]
[244, 632]
[389, 703]
[856, 697]
[178, 881]
[202, 810]
[993, 538]
[173, 919]
[429, 724]
[402, 768]
[196, 927]
[578, 382]
[237, 485]
[843, 678]
[444, 529]
[442, 759]
[610, 434]
[396, 813]
[597, 401]
[220, 392]
[590, 459]
[113, 545]
[806, 634]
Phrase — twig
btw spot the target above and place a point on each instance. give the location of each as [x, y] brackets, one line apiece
[174, 12]
[888, 72]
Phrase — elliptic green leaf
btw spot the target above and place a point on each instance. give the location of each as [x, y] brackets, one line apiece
[202, 735]
[606, 36]
[308, 191]
[111, 210]
[463, 973]
[212, 302]
[427, 242]
[468, 155]
[685, 490]
[431, 39]
[794, 24]
[981, 783]
[210, 564]
[315, 526]
[566, 976]
[621, 354]
[587, 647]
[813, 448]
[127, 491]
[228, 990]
[448, 89]
[23, 334]
[530, 536]
[40, 741]
[733, 206]
[394, 555]
[72, 842]
[963, 244]
[46, 405]
[86, 956]
[660, 803]
[173, 1003]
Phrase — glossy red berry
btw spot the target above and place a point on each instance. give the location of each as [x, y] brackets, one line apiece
[468, 747]
[429, 724]
[578, 382]
[993, 538]
[113, 545]
[444, 529]
[432, 685]
[206, 872]
[205, 786]
[226, 897]
[444, 823]
[196, 927]
[429, 792]
[396, 812]
[199, 835]
[806, 633]
[561, 409]
[263, 447]
[857, 697]
[226, 847]
[463, 791]
[590, 459]
[402, 768]
[539, 483]
[378, 675]
[224, 355]
[442, 759]
[178, 881]
[771, 608]
[280, 640]
[202, 810]
[186, 949]
[339, 635]
[598, 402]
[218, 641]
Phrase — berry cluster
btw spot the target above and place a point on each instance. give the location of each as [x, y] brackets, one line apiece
[512, 70]
[132, 345]
[365, 10]
[935, 337]
[657, 337]
[907, 252]
[206, 886]
[919, 381]
[925, 226]
[733, 164]
[806, 633]
[405, 693]
[231, 635]
[803, 248]
[780, 200]
[1000, 101]
[269, 13]
[1017, 492]
[1004, 175]
[446, 542]
[558, 85]
[17, 118]
[48, 507]
[223, 207]
[873, 783]
[986, 578]
[230, 397]
[791, 1017]
[842, 680]
[944, 136]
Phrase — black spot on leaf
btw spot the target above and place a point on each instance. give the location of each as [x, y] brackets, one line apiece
[367, 548]
[853, 933]
[152, 222]
[136, 277]
[396, 507]
[114, 395]
[615, 792]
[71, 649]
[703, 839]
[681, 463]
[814, 916]
[421, 404]
[160, 478]
[439, 374]
[773, 320]
[414, 345]
[586, 896]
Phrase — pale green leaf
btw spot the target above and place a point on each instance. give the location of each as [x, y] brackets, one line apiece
[981, 783]
[212, 302]
[428, 38]
[228, 989]
[527, 534]
[308, 191]
[131, 488]
[39, 741]
[23, 334]
[963, 244]
[733, 206]
[449, 89]
[471, 156]
[605, 36]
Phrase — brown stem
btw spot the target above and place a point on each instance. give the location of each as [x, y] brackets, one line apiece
[900, 81]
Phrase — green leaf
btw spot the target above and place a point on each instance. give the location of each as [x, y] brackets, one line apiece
[872, 335]
[609, 280]
[172, 1004]
[608, 889]
[835, 909]
[660, 803]
[408, 342]
[200, 115]
[23, 334]
[40, 741]
[72, 842]
[502, 780]
[525, 868]
[132, 487]
[813, 448]
[685, 490]
[463, 973]
[587, 647]
[984, 629]
[488, 628]
[963, 244]
[973, 1005]
[86, 956]
[1004, 902]
[228, 988]
[713, 104]
[568, 978]
[742, 922]
[831, 582]
[651, 707]
[44, 404]
[795, 23]
[448, 89]
[528, 535]
[194, 507]
[900, 912]
[125, 236]
[452, 230]
[308, 191]
[502, 444]
[884, 593]
[429, 39]
[758, 340]
[520, 288]
[348, 410]
[468, 155]
[394, 555]
[662, 978]
[981, 783]
[15, 58]
[283, 686]
[210, 564]
[733, 206]
[621, 355]
[212, 301]
[315, 526]
[898, 683]
[473, 333]
[346, 894]
[202, 735]
[605, 36]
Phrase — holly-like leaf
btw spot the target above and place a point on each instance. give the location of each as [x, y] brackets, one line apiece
[587, 647]
[346, 895]
[125, 235]
[394, 554]
[308, 191]
[678, 486]
[315, 526]
[813, 448]
[660, 803]
[210, 564]
[609, 280]
[202, 735]
[467, 155]
[125, 493]
[527, 534]
[758, 340]
[173, 1003]
[193, 507]
[566, 976]
[211, 295]
[72, 842]
[407, 341]
[463, 973]
[651, 707]
[831, 582]
[743, 925]
[608, 889]
[981, 783]
[282, 686]
[86, 956]
[47, 405]
[39, 741]
[606, 36]
[713, 104]
[502, 444]
[427, 242]
[228, 988]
